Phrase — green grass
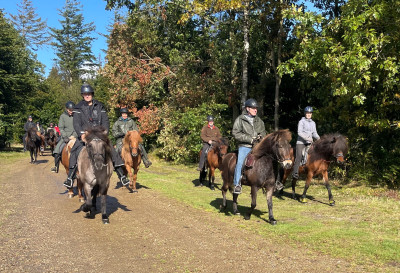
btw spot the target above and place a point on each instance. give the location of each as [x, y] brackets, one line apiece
[363, 227]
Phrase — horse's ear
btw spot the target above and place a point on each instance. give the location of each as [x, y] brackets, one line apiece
[333, 140]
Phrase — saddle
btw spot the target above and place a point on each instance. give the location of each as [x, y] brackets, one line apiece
[304, 155]
[249, 160]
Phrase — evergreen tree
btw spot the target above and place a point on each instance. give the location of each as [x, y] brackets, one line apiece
[30, 25]
[73, 42]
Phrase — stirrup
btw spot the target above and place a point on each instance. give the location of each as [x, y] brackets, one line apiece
[237, 189]
[124, 180]
[69, 183]
[54, 169]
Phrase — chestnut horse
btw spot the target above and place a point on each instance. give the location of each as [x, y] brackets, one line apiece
[320, 156]
[33, 143]
[273, 149]
[131, 156]
[95, 168]
[42, 142]
[217, 151]
[51, 139]
[65, 154]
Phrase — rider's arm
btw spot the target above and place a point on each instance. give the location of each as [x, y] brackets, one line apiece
[116, 132]
[104, 119]
[314, 132]
[203, 135]
[238, 134]
[305, 136]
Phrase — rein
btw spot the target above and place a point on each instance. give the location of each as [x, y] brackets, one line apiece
[97, 154]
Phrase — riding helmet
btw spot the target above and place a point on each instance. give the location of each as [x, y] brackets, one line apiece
[70, 105]
[51, 124]
[308, 109]
[251, 103]
[29, 116]
[210, 118]
[86, 89]
[124, 110]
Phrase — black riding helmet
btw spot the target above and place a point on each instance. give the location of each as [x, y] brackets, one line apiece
[210, 118]
[86, 89]
[251, 103]
[308, 109]
[124, 110]
[70, 105]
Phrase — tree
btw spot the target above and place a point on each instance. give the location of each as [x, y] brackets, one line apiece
[30, 25]
[73, 42]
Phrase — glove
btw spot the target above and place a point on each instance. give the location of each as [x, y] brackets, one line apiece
[253, 140]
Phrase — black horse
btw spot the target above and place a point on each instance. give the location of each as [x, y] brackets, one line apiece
[95, 169]
[273, 149]
[51, 139]
[33, 142]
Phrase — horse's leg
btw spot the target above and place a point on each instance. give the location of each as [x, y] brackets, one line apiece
[87, 207]
[104, 216]
[269, 194]
[95, 192]
[134, 178]
[211, 178]
[130, 174]
[254, 191]
[294, 180]
[306, 186]
[80, 186]
[235, 209]
[223, 205]
[328, 187]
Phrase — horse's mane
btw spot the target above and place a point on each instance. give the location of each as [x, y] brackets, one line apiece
[100, 133]
[265, 145]
[126, 141]
[330, 143]
[223, 141]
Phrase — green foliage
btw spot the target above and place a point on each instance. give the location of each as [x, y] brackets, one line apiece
[180, 137]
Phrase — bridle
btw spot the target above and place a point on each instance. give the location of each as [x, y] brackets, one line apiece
[92, 155]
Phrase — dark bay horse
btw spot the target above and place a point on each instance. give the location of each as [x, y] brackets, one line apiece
[51, 139]
[320, 155]
[131, 155]
[95, 168]
[33, 142]
[65, 154]
[215, 154]
[273, 149]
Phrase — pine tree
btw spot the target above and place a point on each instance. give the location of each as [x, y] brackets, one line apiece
[73, 42]
[30, 25]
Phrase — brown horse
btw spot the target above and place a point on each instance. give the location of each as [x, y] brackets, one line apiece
[42, 142]
[33, 143]
[65, 154]
[131, 155]
[320, 156]
[51, 139]
[95, 168]
[215, 154]
[273, 149]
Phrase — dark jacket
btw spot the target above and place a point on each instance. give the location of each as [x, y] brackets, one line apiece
[28, 125]
[208, 134]
[244, 132]
[121, 127]
[66, 126]
[87, 117]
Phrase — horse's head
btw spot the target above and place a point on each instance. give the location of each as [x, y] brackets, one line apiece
[222, 147]
[33, 134]
[98, 147]
[131, 142]
[339, 148]
[277, 146]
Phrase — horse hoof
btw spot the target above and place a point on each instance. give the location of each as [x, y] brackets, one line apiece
[212, 188]
[247, 217]
[332, 203]
[222, 208]
[81, 200]
[272, 222]
[89, 216]
[134, 191]
[236, 212]
[106, 221]
[70, 196]
[303, 200]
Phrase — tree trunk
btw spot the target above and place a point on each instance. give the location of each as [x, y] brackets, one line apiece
[246, 48]
[233, 82]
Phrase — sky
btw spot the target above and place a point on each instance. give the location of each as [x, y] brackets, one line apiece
[92, 10]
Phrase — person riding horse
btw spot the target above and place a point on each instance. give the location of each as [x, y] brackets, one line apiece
[209, 133]
[247, 129]
[39, 128]
[307, 132]
[51, 127]
[123, 125]
[29, 124]
[67, 131]
[90, 113]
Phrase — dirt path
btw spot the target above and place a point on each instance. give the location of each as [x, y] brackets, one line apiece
[42, 232]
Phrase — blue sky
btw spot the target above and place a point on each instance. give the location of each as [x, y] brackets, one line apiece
[93, 11]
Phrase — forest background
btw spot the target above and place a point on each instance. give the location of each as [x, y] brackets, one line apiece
[172, 63]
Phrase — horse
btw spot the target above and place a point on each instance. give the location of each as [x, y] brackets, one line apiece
[131, 156]
[273, 149]
[65, 154]
[42, 143]
[215, 154]
[320, 156]
[95, 168]
[51, 139]
[33, 142]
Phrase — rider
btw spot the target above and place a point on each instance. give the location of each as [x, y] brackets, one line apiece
[209, 133]
[119, 130]
[51, 127]
[307, 132]
[39, 128]
[67, 131]
[29, 124]
[247, 130]
[90, 113]
[57, 130]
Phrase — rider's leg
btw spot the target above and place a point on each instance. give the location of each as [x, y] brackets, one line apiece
[299, 152]
[203, 156]
[147, 163]
[243, 152]
[73, 166]
[118, 163]
[24, 140]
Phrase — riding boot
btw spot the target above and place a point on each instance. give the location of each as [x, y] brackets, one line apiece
[124, 180]
[57, 159]
[71, 176]
[147, 163]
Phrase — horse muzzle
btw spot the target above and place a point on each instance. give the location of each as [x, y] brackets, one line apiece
[287, 163]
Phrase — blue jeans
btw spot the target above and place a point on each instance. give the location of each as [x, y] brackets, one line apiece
[243, 152]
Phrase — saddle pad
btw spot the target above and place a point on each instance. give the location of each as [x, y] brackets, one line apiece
[249, 161]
